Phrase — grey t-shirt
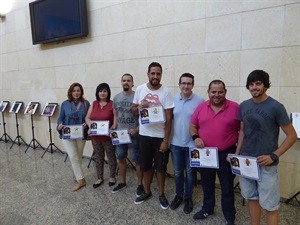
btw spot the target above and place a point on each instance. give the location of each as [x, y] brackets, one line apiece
[123, 103]
[261, 126]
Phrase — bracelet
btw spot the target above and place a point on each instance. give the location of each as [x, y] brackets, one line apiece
[195, 136]
[165, 141]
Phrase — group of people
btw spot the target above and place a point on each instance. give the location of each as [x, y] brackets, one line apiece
[249, 129]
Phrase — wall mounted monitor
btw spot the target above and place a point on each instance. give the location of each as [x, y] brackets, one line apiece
[58, 20]
[31, 108]
[3, 105]
[49, 109]
[16, 106]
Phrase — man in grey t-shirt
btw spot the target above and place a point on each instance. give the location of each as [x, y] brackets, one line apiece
[122, 104]
[261, 118]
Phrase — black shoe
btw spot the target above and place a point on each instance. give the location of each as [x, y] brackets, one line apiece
[139, 190]
[188, 206]
[111, 183]
[98, 185]
[143, 197]
[164, 204]
[201, 215]
[176, 202]
[119, 187]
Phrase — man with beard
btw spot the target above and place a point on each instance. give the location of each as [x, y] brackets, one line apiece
[261, 117]
[126, 120]
[154, 138]
[215, 124]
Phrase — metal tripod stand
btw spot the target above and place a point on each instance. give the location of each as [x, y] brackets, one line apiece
[51, 145]
[33, 141]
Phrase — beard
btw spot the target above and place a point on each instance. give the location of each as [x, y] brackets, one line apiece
[154, 83]
[125, 88]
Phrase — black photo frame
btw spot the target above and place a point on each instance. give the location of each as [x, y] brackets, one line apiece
[49, 109]
[3, 106]
[31, 108]
[16, 106]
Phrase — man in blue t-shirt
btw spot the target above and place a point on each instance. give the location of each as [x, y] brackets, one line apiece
[261, 117]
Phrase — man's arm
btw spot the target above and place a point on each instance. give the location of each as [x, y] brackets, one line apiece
[194, 134]
[135, 109]
[168, 126]
[289, 140]
[240, 139]
[115, 120]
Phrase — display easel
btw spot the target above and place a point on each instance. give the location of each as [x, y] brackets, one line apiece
[48, 111]
[129, 163]
[30, 110]
[15, 109]
[295, 117]
[293, 197]
[5, 137]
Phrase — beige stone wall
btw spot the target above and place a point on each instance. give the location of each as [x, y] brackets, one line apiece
[211, 39]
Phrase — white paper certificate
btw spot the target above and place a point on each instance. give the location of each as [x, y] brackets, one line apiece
[99, 127]
[72, 132]
[120, 137]
[154, 114]
[245, 166]
[204, 157]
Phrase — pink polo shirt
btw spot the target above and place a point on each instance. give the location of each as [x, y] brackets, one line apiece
[217, 130]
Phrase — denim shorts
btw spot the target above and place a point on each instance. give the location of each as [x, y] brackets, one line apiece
[122, 150]
[265, 191]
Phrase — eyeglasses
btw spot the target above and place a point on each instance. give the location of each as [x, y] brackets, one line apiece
[184, 83]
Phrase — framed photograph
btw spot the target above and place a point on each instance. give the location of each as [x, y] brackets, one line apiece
[204, 157]
[3, 105]
[152, 115]
[119, 137]
[100, 127]
[245, 166]
[16, 106]
[72, 132]
[31, 108]
[49, 109]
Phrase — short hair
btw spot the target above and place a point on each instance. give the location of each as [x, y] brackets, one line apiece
[258, 75]
[216, 82]
[100, 87]
[154, 64]
[189, 75]
[127, 74]
[70, 90]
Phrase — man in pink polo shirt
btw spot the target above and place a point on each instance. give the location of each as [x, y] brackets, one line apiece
[215, 124]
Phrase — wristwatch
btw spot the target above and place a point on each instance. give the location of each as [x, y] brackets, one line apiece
[274, 157]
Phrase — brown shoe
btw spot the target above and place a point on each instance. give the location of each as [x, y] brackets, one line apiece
[81, 183]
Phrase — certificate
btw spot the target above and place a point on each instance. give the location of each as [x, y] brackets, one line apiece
[245, 166]
[99, 127]
[72, 132]
[120, 137]
[154, 114]
[204, 157]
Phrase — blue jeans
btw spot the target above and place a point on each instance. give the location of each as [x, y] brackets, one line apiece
[226, 178]
[181, 164]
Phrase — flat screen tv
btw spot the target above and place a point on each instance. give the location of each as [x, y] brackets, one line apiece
[57, 20]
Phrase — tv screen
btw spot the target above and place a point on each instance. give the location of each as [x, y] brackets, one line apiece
[57, 20]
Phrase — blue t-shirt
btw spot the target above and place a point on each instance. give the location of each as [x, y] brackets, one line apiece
[183, 110]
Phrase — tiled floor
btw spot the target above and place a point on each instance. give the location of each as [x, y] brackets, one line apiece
[35, 190]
